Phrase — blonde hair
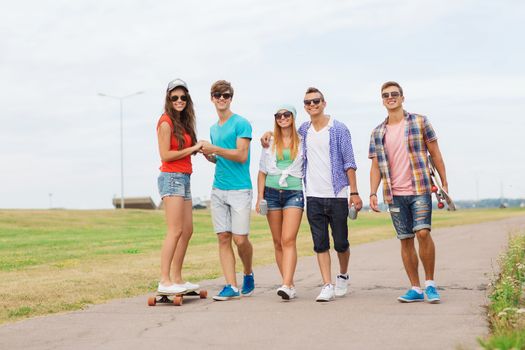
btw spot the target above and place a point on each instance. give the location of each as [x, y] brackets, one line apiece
[278, 144]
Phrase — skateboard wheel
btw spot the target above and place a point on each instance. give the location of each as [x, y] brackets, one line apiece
[434, 189]
[441, 205]
[203, 294]
[177, 301]
[152, 301]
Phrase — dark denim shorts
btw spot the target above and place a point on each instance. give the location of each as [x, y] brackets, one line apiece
[283, 199]
[410, 214]
[174, 184]
[322, 212]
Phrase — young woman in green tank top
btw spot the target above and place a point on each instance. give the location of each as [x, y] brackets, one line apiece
[279, 183]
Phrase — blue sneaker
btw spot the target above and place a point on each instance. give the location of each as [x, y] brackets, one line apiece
[432, 295]
[248, 285]
[411, 296]
[227, 293]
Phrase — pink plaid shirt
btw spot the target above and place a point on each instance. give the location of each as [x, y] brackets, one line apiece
[418, 132]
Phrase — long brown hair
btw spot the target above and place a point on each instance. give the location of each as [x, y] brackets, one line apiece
[182, 121]
[278, 143]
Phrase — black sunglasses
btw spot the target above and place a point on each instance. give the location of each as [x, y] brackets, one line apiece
[286, 115]
[392, 94]
[175, 98]
[217, 95]
[316, 101]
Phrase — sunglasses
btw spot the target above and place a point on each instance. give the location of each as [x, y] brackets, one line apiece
[286, 115]
[316, 101]
[217, 95]
[175, 98]
[392, 94]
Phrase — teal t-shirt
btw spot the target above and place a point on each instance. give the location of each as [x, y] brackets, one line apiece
[294, 183]
[230, 175]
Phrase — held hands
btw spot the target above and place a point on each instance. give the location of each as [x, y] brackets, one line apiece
[207, 148]
[197, 147]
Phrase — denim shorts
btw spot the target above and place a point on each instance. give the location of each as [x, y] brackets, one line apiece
[410, 214]
[322, 212]
[231, 210]
[174, 184]
[283, 199]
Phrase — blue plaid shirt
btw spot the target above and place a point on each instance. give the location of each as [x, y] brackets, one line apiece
[341, 153]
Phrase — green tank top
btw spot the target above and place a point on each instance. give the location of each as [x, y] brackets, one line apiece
[294, 183]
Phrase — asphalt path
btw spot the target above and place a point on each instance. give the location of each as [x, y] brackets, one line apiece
[369, 317]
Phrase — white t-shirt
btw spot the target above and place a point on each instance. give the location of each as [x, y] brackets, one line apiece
[319, 169]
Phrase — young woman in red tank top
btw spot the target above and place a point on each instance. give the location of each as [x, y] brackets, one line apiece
[177, 142]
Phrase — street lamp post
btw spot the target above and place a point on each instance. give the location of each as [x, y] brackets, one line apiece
[121, 99]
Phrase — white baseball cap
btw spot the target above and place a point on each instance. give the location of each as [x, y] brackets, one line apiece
[175, 84]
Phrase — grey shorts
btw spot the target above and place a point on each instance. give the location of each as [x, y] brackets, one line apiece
[231, 211]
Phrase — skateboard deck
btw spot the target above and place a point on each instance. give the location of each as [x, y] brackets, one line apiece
[176, 299]
[441, 195]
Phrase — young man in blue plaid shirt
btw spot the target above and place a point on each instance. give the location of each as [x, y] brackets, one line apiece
[329, 170]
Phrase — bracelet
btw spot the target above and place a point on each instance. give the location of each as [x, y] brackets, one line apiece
[354, 193]
[373, 194]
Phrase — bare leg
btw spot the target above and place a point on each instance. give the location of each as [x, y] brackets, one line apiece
[173, 209]
[275, 221]
[182, 246]
[344, 259]
[427, 252]
[410, 260]
[245, 250]
[290, 227]
[227, 257]
[323, 259]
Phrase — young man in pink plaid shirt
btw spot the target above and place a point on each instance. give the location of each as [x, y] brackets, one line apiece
[399, 148]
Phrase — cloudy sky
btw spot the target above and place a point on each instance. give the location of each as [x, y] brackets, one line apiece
[461, 63]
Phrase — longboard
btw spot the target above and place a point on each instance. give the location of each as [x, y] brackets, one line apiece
[441, 195]
[175, 299]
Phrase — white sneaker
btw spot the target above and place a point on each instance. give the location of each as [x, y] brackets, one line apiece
[190, 286]
[327, 293]
[341, 285]
[173, 289]
[286, 292]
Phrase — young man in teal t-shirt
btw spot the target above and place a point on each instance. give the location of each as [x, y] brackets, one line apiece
[231, 196]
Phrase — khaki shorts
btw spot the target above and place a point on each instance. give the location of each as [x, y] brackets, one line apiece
[231, 211]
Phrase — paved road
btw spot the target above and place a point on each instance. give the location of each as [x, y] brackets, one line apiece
[368, 318]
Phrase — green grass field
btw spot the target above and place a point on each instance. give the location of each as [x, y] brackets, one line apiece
[60, 260]
[506, 311]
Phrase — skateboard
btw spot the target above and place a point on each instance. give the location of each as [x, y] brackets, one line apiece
[441, 195]
[176, 299]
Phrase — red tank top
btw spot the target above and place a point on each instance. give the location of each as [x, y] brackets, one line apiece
[182, 165]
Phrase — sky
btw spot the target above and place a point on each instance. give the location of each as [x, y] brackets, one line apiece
[460, 62]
